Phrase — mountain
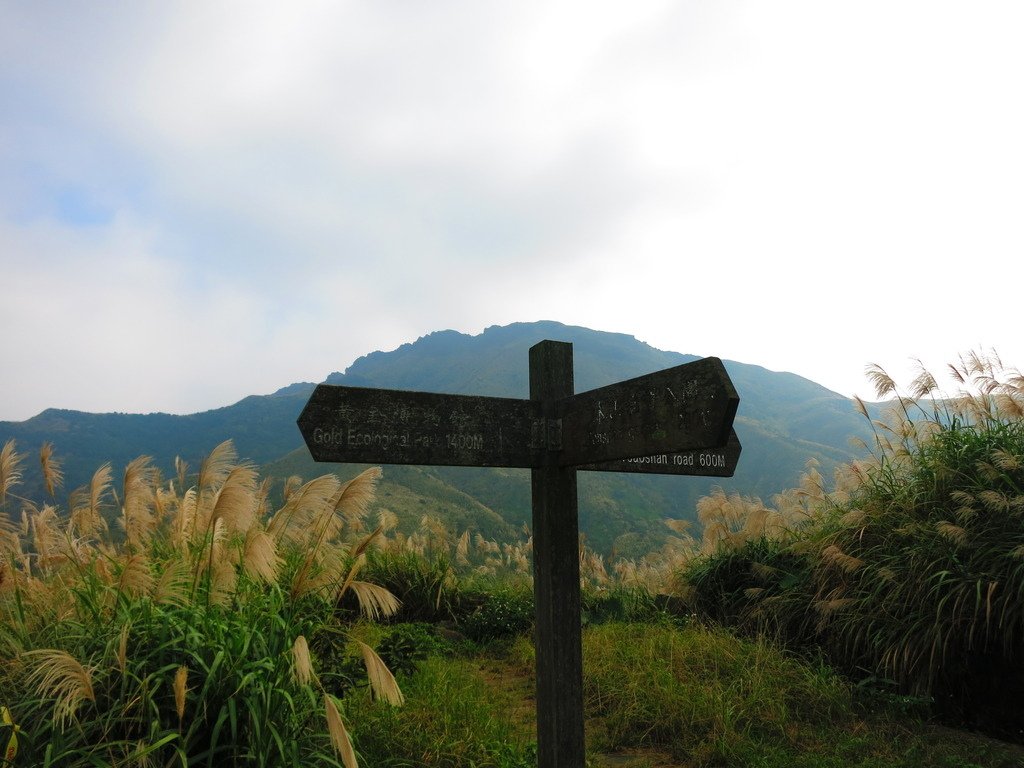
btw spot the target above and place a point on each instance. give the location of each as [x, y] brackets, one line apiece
[783, 420]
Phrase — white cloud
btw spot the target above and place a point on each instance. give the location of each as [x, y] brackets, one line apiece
[803, 185]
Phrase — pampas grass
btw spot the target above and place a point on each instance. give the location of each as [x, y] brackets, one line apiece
[57, 675]
[339, 736]
[204, 585]
[10, 469]
[53, 474]
[910, 569]
[382, 682]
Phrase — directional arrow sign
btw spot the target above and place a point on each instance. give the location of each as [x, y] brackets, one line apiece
[679, 409]
[705, 462]
[387, 426]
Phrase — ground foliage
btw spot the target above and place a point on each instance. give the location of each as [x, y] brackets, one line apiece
[910, 572]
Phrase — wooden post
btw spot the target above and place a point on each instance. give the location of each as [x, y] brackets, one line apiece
[556, 569]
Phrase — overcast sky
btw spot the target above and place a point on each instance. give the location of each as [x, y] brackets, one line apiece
[201, 201]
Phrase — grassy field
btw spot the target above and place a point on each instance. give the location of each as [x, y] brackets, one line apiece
[658, 695]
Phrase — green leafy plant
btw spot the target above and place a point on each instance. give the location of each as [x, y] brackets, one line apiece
[503, 614]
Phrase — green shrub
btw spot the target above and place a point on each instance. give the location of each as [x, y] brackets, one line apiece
[405, 646]
[619, 603]
[920, 576]
[426, 586]
[732, 585]
[502, 614]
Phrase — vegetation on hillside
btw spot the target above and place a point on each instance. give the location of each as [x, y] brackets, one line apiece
[910, 572]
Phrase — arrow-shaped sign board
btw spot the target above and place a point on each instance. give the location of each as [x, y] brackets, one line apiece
[678, 409]
[387, 426]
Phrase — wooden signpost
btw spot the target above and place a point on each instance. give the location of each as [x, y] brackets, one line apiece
[676, 421]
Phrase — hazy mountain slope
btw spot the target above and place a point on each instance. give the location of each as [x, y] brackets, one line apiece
[263, 428]
[783, 420]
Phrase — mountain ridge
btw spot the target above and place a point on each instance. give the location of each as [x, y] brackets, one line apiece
[783, 420]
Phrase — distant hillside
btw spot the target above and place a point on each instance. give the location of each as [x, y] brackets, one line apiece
[783, 420]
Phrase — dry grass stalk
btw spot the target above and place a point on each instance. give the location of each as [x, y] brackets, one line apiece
[375, 601]
[53, 475]
[223, 582]
[847, 563]
[339, 736]
[180, 471]
[137, 516]
[994, 501]
[294, 521]
[235, 501]
[180, 690]
[183, 524]
[172, 586]
[357, 494]
[462, 549]
[679, 526]
[953, 533]
[324, 566]
[302, 664]
[291, 484]
[58, 675]
[122, 647]
[382, 682]
[214, 469]
[853, 518]
[45, 533]
[88, 519]
[136, 577]
[880, 380]
[10, 468]
[261, 560]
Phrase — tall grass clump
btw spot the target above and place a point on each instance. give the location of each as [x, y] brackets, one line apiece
[702, 694]
[174, 625]
[455, 717]
[912, 572]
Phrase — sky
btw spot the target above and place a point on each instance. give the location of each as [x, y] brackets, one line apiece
[200, 201]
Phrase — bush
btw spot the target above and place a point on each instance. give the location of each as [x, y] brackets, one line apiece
[502, 614]
[426, 586]
[732, 585]
[913, 572]
[619, 603]
[405, 646]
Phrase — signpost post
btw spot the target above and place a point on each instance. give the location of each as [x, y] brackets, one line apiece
[676, 421]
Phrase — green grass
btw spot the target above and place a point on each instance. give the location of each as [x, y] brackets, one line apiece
[656, 696]
[453, 717]
[704, 697]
